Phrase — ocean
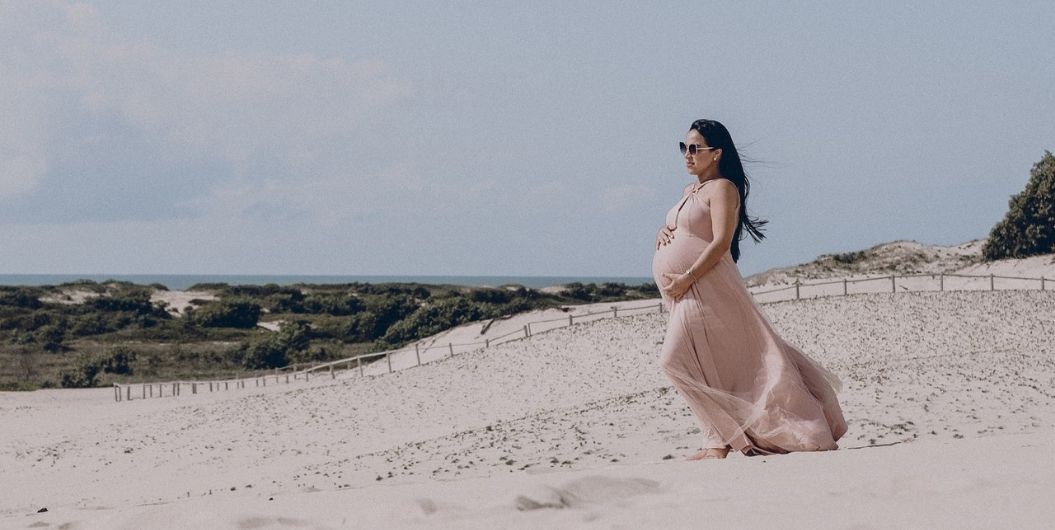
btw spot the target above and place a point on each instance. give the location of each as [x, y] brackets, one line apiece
[183, 281]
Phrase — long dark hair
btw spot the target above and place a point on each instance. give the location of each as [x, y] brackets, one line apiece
[731, 168]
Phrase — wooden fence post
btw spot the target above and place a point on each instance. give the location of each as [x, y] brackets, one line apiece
[417, 353]
[388, 357]
[194, 388]
[117, 393]
[487, 343]
[844, 286]
[615, 311]
[332, 375]
[1042, 283]
[893, 284]
[796, 289]
[144, 391]
[570, 321]
[941, 282]
[527, 333]
[992, 284]
[129, 390]
[450, 347]
[660, 307]
[359, 360]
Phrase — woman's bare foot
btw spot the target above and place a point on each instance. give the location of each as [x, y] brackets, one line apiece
[710, 453]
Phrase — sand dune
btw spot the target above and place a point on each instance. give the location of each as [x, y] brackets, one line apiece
[948, 396]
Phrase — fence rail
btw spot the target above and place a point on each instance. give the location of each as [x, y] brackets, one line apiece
[923, 282]
[298, 372]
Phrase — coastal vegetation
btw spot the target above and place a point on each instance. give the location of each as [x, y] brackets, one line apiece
[87, 333]
[1028, 229]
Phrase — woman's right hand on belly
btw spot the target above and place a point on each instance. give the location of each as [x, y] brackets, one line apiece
[664, 236]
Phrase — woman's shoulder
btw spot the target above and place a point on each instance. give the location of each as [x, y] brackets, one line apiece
[725, 189]
[725, 185]
[718, 186]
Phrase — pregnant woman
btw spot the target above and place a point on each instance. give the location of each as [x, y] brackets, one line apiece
[749, 390]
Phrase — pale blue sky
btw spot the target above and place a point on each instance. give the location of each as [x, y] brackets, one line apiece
[499, 138]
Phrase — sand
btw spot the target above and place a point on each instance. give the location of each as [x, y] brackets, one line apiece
[179, 301]
[949, 397]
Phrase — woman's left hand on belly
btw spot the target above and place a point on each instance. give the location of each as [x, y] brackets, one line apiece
[663, 236]
[677, 285]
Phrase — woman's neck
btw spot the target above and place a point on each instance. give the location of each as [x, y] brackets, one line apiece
[710, 175]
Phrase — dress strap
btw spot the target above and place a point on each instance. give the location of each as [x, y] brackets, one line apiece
[686, 199]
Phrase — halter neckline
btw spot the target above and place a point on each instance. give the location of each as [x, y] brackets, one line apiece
[699, 186]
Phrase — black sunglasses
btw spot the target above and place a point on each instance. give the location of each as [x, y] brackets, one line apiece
[693, 148]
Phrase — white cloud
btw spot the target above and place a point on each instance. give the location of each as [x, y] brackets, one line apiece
[19, 171]
[283, 119]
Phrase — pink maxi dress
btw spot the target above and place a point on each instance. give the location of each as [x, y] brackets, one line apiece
[748, 389]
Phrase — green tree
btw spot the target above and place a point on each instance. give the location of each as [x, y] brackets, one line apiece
[1029, 227]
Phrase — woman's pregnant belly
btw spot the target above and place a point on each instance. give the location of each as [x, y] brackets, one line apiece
[677, 256]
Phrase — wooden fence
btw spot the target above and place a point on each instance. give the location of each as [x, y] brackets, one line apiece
[796, 291]
[306, 372]
[908, 283]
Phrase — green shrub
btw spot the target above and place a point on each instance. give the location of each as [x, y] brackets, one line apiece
[237, 313]
[386, 311]
[1028, 228]
[132, 305]
[362, 327]
[289, 301]
[90, 324]
[433, 318]
[118, 361]
[87, 369]
[51, 336]
[277, 350]
[264, 355]
[611, 289]
[26, 297]
[577, 291]
[491, 296]
[27, 321]
[849, 258]
[310, 355]
[332, 304]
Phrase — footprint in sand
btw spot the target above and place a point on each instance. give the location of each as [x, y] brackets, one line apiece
[590, 489]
